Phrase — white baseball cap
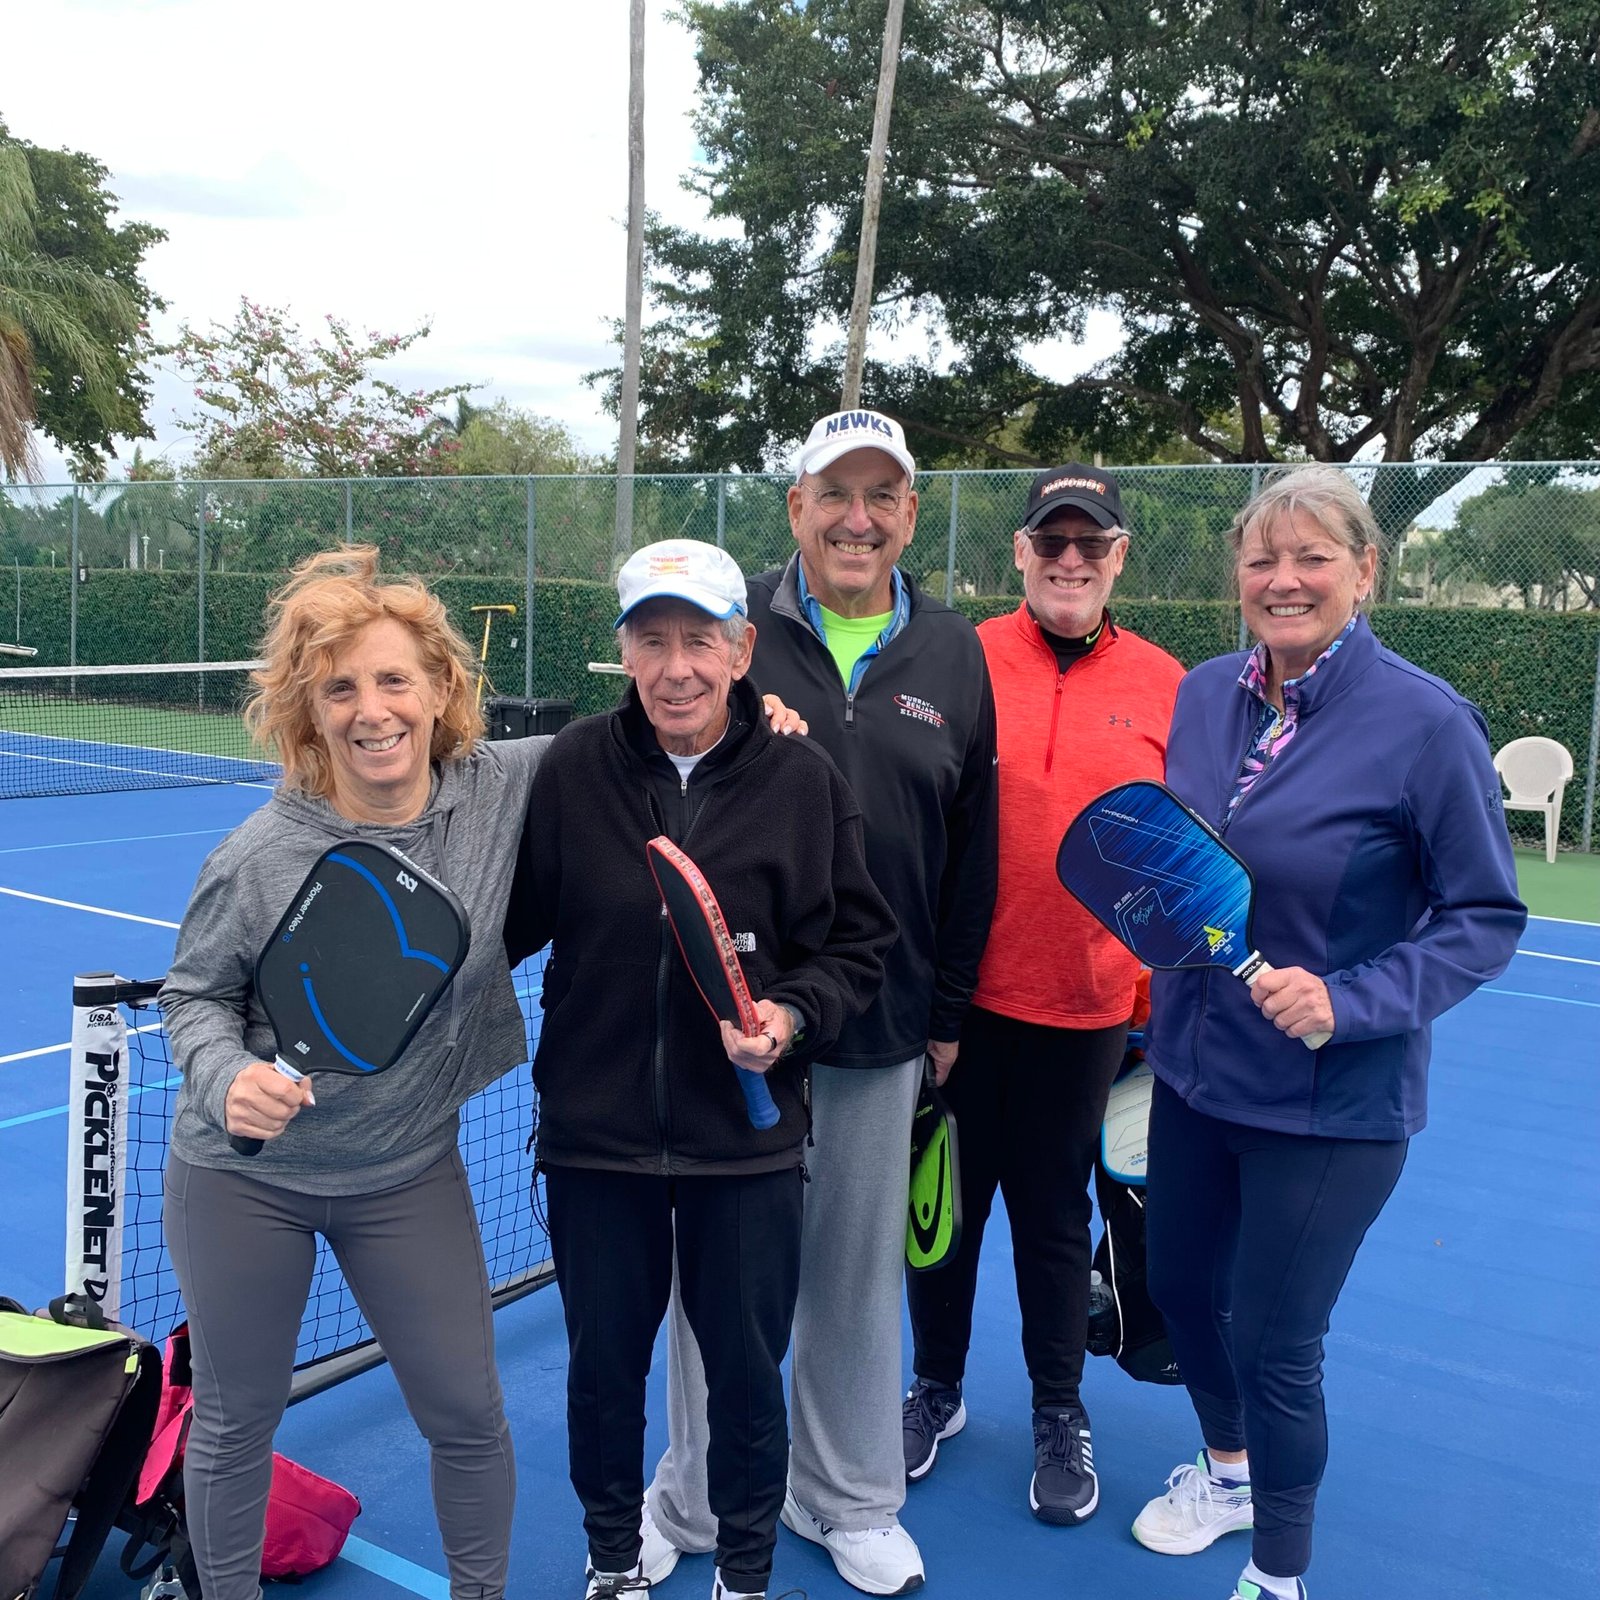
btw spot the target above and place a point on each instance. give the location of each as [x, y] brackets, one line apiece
[682, 569]
[844, 431]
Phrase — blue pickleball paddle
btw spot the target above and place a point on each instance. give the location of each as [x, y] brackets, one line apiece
[1163, 882]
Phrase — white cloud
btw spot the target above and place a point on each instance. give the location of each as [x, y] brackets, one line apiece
[390, 163]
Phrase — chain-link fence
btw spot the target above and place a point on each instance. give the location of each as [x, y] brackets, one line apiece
[1492, 576]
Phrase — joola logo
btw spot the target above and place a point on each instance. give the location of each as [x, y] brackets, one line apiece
[852, 420]
[1216, 938]
[911, 706]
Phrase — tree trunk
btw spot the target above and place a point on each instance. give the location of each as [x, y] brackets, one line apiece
[627, 444]
[855, 358]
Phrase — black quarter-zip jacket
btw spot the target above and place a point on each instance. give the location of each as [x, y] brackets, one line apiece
[916, 743]
[630, 1067]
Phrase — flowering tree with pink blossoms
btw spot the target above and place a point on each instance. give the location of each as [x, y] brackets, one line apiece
[277, 403]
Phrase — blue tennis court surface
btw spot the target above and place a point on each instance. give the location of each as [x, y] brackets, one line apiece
[1463, 1363]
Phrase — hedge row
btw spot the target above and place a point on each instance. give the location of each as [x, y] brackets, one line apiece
[1530, 671]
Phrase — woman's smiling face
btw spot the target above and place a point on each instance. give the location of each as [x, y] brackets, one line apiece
[1299, 585]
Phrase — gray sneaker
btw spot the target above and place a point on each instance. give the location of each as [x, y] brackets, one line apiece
[931, 1412]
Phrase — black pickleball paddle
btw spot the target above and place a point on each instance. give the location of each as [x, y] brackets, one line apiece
[368, 944]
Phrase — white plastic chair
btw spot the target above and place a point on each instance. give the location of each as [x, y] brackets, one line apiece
[1536, 770]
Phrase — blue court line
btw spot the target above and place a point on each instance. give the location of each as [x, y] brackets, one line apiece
[1555, 999]
[405, 1574]
[61, 1111]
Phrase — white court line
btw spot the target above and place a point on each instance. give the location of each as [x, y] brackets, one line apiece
[56, 1049]
[1544, 955]
[1571, 922]
[99, 911]
[89, 844]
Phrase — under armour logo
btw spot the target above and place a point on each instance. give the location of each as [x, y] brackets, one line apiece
[1114, 719]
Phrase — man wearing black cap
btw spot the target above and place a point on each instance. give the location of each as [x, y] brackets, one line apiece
[1080, 705]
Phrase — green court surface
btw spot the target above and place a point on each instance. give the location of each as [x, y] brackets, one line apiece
[1570, 888]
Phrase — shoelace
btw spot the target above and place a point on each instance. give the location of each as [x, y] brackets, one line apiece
[1190, 1489]
[921, 1410]
[1066, 1443]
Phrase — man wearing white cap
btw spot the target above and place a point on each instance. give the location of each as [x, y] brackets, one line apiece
[894, 686]
[644, 1137]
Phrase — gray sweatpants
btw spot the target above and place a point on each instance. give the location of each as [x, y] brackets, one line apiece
[846, 1462]
[244, 1253]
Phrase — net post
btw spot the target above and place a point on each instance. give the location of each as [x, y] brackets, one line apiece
[96, 1148]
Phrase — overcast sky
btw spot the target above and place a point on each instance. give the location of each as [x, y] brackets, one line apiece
[463, 164]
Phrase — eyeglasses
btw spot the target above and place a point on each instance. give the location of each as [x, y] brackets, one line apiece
[879, 502]
[1091, 546]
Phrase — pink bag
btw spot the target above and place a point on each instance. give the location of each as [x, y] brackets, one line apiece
[308, 1516]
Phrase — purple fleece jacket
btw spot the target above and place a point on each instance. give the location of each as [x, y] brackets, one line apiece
[1379, 848]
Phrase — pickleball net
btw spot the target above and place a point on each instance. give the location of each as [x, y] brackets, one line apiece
[124, 1091]
[99, 730]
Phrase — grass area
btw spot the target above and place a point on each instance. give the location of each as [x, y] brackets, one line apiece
[1570, 888]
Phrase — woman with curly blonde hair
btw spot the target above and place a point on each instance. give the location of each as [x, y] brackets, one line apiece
[366, 696]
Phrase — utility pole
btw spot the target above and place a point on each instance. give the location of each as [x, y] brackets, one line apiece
[855, 358]
[627, 444]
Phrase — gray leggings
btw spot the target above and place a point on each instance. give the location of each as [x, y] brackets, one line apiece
[244, 1252]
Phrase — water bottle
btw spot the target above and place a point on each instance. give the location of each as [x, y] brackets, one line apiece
[1104, 1331]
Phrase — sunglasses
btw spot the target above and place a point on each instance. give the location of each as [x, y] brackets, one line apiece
[1091, 546]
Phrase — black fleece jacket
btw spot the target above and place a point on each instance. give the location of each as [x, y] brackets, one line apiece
[630, 1067]
[916, 742]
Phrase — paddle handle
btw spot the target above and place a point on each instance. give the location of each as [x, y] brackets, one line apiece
[252, 1147]
[758, 1101]
[1251, 968]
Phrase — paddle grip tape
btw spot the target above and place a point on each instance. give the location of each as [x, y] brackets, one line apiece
[1254, 966]
[252, 1147]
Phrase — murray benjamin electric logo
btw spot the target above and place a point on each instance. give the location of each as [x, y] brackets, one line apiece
[911, 706]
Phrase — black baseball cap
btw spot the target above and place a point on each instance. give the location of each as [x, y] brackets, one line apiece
[1082, 488]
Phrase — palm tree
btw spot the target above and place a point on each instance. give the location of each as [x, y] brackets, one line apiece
[49, 313]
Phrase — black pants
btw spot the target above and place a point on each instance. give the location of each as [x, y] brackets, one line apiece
[1028, 1102]
[1251, 1236]
[738, 1245]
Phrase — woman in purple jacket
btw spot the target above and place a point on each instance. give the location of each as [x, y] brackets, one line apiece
[1361, 792]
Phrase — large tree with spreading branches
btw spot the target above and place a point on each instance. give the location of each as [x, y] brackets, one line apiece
[1350, 229]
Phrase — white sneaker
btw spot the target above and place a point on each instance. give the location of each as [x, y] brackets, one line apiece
[876, 1560]
[658, 1555]
[719, 1592]
[1196, 1510]
[614, 1585]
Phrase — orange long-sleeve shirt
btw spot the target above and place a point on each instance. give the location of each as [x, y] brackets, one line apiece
[1064, 737]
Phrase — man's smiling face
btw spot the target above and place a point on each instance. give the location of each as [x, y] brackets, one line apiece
[1068, 593]
[852, 520]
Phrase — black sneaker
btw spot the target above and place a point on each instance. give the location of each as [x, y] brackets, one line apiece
[1064, 1490]
[931, 1412]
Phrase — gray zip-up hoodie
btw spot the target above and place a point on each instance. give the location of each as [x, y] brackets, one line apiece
[363, 1134]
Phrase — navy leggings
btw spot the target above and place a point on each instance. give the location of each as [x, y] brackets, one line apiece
[1251, 1236]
